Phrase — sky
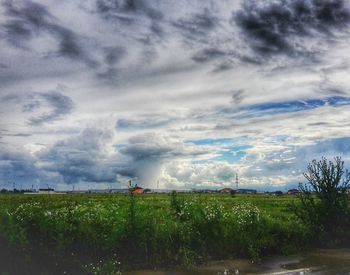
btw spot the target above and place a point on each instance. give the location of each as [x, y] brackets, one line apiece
[187, 93]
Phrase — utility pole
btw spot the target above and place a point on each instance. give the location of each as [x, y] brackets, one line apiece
[236, 181]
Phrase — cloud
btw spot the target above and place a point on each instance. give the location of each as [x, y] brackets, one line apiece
[60, 105]
[278, 27]
[83, 158]
[123, 10]
[144, 122]
[213, 175]
[208, 55]
[150, 151]
[91, 157]
[278, 163]
[129, 13]
[209, 72]
[42, 108]
[20, 168]
[27, 19]
[113, 55]
[238, 96]
[196, 26]
[328, 148]
[155, 146]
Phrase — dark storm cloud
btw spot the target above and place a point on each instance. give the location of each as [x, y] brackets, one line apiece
[82, 158]
[110, 75]
[273, 28]
[147, 153]
[141, 151]
[112, 58]
[17, 167]
[222, 67]
[25, 20]
[114, 54]
[154, 147]
[197, 26]
[43, 107]
[28, 20]
[60, 105]
[208, 55]
[124, 10]
[147, 146]
[69, 45]
[157, 29]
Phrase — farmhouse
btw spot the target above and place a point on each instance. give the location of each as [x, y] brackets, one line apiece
[138, 190]
[227, 190]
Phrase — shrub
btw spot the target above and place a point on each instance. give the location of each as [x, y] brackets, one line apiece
[324, 202]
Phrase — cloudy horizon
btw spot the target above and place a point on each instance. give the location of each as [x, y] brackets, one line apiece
[188, 93]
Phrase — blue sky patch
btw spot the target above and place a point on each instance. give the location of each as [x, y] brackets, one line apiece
[275, 108]
[211, 141]
[227, 150]
[236, 141]
[230, 156]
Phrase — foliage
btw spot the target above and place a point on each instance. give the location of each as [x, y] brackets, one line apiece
[175, 204]
[324, 202]
[152, 230]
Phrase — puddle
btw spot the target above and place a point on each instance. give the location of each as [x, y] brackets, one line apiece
[322, 261]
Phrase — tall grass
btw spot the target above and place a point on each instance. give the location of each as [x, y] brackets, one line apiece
[153, 230]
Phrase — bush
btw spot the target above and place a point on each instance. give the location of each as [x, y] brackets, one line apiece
[324, 202]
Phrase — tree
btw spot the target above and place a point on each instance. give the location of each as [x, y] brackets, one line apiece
[324, 202]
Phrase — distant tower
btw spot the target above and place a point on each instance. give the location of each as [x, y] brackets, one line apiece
[236, 182]
[157, 184]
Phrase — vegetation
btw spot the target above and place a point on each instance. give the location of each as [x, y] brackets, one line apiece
[99, 231]
[107, 233]
[324, 201]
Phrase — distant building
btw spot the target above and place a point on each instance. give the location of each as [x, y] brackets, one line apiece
[246, 191]
[227, 190]
[46, 191]
[171, 190]
[200, 191]
[137, 190]
[293, 192]
[119, 190]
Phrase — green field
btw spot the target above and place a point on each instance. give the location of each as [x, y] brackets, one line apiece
[110, 232]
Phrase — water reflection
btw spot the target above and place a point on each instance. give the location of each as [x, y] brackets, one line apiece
[317, 262]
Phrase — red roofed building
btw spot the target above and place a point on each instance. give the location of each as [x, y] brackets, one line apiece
[137, 190]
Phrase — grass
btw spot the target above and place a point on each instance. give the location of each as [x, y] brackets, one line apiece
[104, 232]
